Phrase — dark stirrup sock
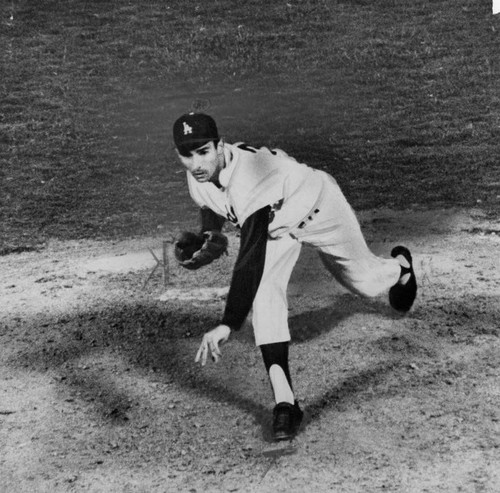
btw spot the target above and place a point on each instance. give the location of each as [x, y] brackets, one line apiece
[277, 354]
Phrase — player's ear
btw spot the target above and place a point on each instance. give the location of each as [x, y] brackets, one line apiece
[220, 154]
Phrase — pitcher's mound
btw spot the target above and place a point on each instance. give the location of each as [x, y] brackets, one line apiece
[201, 294]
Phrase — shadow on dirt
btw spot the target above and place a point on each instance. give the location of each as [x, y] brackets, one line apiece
[152, 339]
[342, 394]
[311, 324]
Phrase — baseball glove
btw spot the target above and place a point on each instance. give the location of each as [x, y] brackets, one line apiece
[193, 250]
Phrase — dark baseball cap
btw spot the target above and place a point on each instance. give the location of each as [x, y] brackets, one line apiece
[194, 130]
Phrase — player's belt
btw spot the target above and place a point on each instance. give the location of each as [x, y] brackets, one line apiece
[308, 219]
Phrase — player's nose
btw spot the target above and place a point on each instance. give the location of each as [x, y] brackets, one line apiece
[189, 163]
[197, 159]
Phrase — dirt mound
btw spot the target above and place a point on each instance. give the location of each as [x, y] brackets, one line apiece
[99, 391]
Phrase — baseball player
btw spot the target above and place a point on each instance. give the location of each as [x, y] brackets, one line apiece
[278, 204]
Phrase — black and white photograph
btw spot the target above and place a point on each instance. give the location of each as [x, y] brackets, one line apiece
[250, 246]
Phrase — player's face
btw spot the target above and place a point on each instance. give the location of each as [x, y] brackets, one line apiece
[204, 163]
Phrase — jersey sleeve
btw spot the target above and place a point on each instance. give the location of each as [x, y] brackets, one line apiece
[248, 269]
[210, 221]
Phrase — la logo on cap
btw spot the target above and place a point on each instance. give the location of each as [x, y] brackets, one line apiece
[187, 128]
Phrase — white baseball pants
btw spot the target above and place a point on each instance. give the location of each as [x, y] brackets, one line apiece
[335, 231]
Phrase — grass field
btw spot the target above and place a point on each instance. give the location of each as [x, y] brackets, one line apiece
[400, 100]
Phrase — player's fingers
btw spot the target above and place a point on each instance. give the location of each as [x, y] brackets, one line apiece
[211, 349]
[216, 350]
[215, 356]
[202, 354]
[198, 354]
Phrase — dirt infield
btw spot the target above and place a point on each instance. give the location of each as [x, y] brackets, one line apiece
[99, 391]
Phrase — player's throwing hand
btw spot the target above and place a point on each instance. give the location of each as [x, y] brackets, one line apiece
[210, 342]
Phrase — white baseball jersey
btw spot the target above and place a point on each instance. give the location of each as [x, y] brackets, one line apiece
[271, 196]
[255, 178]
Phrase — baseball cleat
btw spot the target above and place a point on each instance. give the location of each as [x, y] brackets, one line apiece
[286, 420]
[403, 293]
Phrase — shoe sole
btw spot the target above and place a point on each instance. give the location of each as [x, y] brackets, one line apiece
[283, 437]
[402, 297]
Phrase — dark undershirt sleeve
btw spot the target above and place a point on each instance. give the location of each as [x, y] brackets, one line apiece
[248, 269]
[210, 221]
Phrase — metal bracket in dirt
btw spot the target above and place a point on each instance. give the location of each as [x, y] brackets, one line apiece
[160, 263]
[273, 454]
